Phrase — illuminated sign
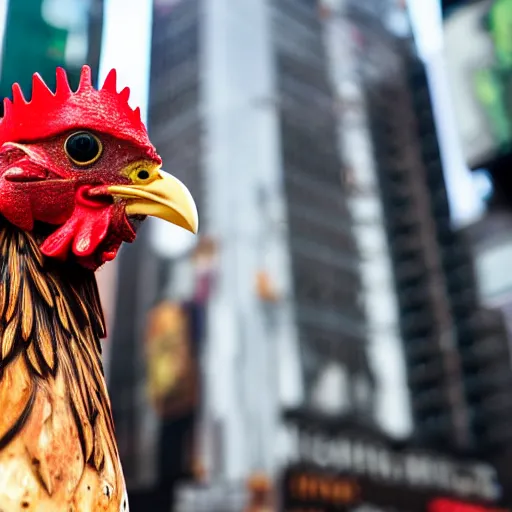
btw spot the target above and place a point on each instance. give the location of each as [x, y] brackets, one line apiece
[448, 505]
[314, 488]
[330, 466]
[478, 59]
[308, 489]
[373, 459]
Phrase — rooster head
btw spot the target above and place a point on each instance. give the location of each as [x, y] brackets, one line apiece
[79, 167]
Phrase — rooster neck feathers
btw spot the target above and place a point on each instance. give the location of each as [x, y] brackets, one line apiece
[51, 323]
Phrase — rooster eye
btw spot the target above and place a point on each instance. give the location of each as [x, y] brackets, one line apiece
[83, 148]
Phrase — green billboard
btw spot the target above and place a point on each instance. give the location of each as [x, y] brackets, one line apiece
[34, 44]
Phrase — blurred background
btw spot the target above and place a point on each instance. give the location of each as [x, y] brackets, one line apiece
[338, 335]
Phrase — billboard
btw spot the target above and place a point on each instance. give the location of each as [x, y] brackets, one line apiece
[41, 35]
[478, 52]
[337, 466]
[173, 384]
[172, 376]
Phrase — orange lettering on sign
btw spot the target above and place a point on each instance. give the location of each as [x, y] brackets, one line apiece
[329, 489]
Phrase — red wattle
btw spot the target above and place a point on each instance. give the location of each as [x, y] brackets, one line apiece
[58, 243]
[92, 231]
[83, 232]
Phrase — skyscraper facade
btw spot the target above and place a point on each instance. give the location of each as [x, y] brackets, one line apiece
[247, 107]
[425, 314]
[456, 352]
[243, 114]
[324, 256]
[255, 134]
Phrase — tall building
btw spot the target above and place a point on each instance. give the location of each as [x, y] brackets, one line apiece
[268, 183]
[243, 113]
[248, 119]
[403, 184]
[480, 90]
[344, 29]
[489, 240]
[325, 260]
[456, 353]
[426, 322]
[315, 276]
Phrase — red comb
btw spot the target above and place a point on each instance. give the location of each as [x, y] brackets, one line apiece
[48, 114]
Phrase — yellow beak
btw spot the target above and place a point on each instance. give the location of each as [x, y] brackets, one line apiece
[164, 197]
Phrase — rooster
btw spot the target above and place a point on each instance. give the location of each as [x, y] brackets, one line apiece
[77, 175]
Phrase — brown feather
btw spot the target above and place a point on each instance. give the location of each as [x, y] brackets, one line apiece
[33, 361]
[58, 430]
[14, 285]
[45, 339]
[3, 294]
[9, 337]
[27, 318]
[72, 320]
[39, 281]
[16, 395]
[34, 251]
[62, 312]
